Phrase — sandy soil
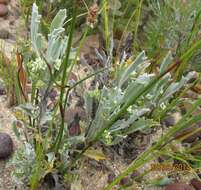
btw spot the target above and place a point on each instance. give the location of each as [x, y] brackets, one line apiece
[6, 119]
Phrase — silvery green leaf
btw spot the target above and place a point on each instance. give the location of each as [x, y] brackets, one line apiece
[98, 124]
[100, 56]
[28, 109]
[40, 42]
[50, 156]
[56, 49]
[142, 67]
[141, 58]
[47, 117]
[16, 130]
[88, 104]
[100, 119]
[160, 87]
[35, 21]
[174, 87]
[140, 124]
[37, 38]
[122, 124]
[136, 86]
[64, 46]
[144, 78]
[166, 62]
[55, 45]
[29, 150]
[114, 4]
[118, 13]
[72, 54]
[76, 140]
[58, 20]
[131, 91]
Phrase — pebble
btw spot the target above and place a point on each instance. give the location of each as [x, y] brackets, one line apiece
[124, 181]
[4, 1]
[6, 145]
[4, 34]
[111, 177]
[2, 91]
[178, 186]
[196, 184]
[3, 10]
[135, 174]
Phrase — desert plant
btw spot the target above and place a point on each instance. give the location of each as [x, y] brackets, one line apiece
[127, 99]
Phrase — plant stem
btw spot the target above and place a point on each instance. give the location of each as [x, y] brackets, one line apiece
[73, 64]
[186, 57]
[106, 24]
[64, 76]
[139, 10]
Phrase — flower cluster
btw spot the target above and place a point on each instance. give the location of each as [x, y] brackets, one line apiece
[37, 65]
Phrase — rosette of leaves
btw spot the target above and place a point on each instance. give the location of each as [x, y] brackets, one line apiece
[112, 100]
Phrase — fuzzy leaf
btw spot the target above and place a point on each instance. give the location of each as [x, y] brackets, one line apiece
[166, 62]
[139, 60]
[174, 87]
[37, 38]
[58, 20]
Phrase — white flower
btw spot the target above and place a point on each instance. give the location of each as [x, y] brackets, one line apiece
[163, 106]
[149, 96]
[38, 65]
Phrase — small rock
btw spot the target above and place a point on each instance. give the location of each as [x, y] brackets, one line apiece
[171, 119]
[135, 174]
[4, 1]
[12, 20]
[111, 177]
[125, 181]
[4, 34]
[190, 136]
[2, 91]
[2, 88]
[178, 186]
[196, 184]
[6, 146]
[168, 121]
[3, 10]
